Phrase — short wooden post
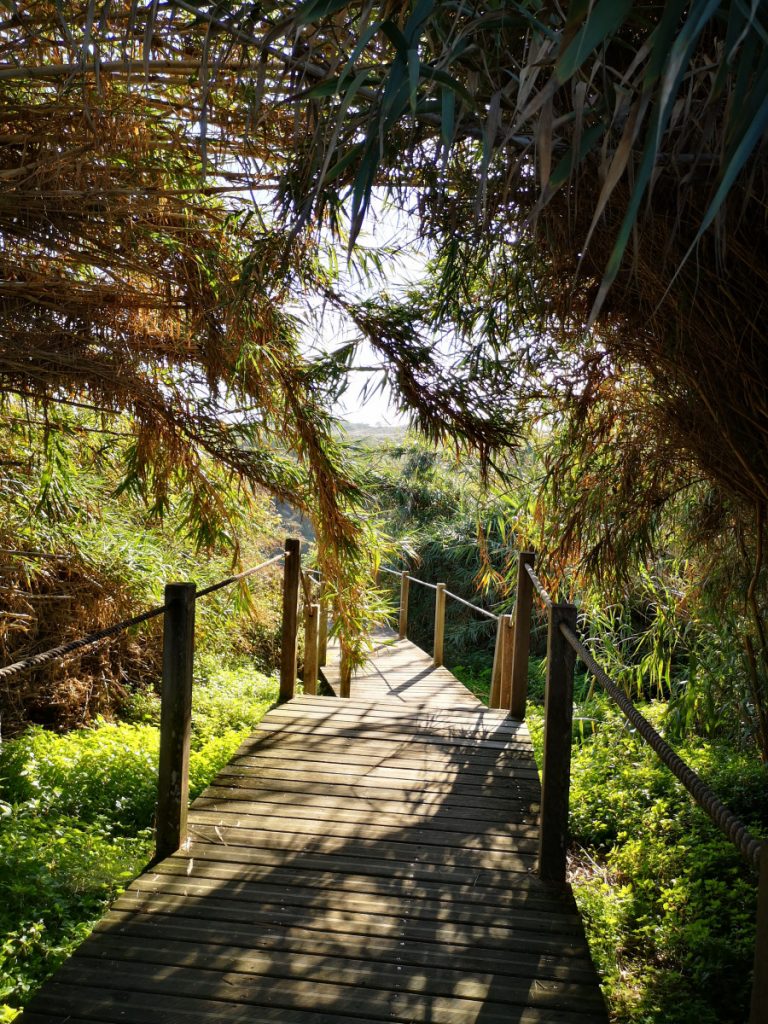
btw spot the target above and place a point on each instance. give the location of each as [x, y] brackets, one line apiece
[522, 636]
[404, 584]
[556, 771]
[345, 674]
[311, 620]
[290, 635]
[758, 1013]
[494, 700]
[175, 718]
[437, 656]
[322, 639]
[505, 669]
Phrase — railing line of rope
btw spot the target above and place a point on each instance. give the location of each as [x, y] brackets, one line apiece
[448, 593]
[538, 586]
[474, 607]
[74, 646]
[734, 829]
[238, 576]
[705, 797]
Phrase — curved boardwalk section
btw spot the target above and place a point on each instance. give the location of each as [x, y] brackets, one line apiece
[370, 859]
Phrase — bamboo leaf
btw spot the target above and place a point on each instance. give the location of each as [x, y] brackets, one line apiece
[413, 78]
[747, 143]
[619, 162]
[316, 10]
[447, 115]
[605, 18]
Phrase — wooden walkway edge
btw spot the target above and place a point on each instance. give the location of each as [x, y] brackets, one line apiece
[369, 859]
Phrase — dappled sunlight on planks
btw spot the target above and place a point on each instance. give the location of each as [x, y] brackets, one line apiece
[366, 859]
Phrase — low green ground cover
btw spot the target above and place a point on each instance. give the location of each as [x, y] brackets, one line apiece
[668, 904]
[76, 814]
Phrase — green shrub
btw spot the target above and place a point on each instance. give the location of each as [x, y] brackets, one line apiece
[106, 774]
[57, 875]
[75, 819]
[228, 699]
[673, 932]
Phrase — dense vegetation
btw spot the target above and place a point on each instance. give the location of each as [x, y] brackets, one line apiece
[76, 812]
[177, 180]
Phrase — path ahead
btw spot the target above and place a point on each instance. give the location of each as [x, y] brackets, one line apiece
[370, 859]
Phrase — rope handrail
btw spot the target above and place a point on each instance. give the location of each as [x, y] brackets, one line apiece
[392, 572]
[448, 593]
[64, 650]
[705, 797]
[423, 583]
[538, 586]
[239, 576]
[474, 607]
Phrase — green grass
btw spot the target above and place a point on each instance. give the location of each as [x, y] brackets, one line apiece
[75, 817]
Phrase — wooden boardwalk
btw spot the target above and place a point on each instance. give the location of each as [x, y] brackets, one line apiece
[370, 859]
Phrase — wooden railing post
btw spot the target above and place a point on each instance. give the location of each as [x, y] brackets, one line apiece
[437, 657]
[290, 634]
[494, 701]
[558, 722]
[758, 1013]
[175, 718]
[506, 624]
[404, 583]
[502, 664]
[345, 674]
[322, 639]
[311, 620]
[522, 636]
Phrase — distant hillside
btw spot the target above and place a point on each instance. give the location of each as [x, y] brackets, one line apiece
[374, 434]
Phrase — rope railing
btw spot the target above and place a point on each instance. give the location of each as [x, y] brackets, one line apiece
[734, 829]
[705, 797]
[177, 673]
[474, 607]
[448, 593]
[539, 588]
[64, 650]
[91, 639]
[239, 576]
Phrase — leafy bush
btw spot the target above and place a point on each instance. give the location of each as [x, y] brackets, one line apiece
[226, 699]
[106, 774]
[58, 875]
[75, 817]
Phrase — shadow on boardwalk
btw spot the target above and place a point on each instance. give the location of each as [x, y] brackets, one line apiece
[364, 860]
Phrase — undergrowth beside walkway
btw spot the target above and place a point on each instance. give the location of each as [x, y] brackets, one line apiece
[76, 814]
[668, 904]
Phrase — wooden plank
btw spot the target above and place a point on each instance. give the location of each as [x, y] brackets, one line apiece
[519, 825]
[440, 772]
[426, 807]
[334, 967]
[411, 783]
[296, 921]
[538, 918]
[283, 880]
[411, 843]
[122, 1005]
[416, 794]
[349, 859]
[424, 955]
[296, 974]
